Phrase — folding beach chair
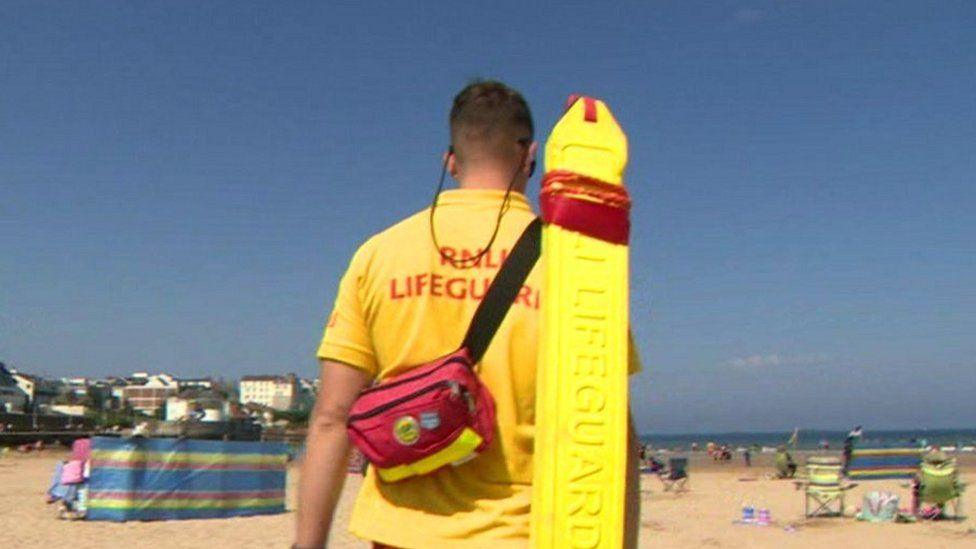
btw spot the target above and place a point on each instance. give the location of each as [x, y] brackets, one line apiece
[938, 484]
[823, 487]
[675, 477]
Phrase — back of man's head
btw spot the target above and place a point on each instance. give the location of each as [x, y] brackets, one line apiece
[490, 124]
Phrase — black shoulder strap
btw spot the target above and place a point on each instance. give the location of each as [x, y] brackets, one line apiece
[503, 291]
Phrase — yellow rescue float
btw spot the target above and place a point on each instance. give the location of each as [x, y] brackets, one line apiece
[581, 398]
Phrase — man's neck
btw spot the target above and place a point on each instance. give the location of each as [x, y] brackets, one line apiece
[490, 181]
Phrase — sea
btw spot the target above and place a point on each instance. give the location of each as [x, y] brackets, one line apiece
[812, 439]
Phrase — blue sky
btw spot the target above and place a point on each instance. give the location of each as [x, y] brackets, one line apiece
[182, 184]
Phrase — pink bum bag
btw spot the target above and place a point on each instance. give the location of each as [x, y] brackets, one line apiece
[440, 413]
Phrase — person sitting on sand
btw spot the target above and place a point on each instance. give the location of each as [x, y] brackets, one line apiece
[650, 464]
[785, 466]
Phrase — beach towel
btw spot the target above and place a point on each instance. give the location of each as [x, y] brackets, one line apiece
[172, 479]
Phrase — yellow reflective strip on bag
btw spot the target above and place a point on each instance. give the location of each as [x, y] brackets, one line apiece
[461, 449]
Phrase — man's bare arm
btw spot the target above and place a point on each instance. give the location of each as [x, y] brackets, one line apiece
[326, 452]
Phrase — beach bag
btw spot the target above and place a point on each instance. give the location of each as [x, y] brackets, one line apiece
[879, 507]
[440, 413]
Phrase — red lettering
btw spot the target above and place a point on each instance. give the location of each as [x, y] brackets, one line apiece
[488, 263]
[457, 294]
[393, 290]
[468, 255]
[436, 284]
[447, 253]
[485, 282]
[421, 281]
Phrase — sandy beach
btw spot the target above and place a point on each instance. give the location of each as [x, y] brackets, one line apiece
[700, 517]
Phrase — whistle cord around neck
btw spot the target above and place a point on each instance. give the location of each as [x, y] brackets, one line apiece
[466, 262]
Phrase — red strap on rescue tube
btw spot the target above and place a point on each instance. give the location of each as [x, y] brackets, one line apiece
[589, 106]
[589, 109]
[586, 205]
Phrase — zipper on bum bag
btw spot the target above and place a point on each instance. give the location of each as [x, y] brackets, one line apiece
[397, 383]
[406, 398]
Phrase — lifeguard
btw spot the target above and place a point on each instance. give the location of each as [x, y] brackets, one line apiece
[404, 301]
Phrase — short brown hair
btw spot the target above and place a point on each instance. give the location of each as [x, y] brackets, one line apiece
[487, 115]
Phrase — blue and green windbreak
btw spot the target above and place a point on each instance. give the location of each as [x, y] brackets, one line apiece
[170, 479]
[879, 462]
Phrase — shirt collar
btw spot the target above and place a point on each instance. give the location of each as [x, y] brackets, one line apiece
[482, 196]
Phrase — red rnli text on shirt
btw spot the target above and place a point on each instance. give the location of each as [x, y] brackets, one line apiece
[471, 287]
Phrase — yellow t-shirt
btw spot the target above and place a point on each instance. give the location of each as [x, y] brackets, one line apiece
[400, 305]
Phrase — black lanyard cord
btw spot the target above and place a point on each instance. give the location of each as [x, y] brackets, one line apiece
[466, 262]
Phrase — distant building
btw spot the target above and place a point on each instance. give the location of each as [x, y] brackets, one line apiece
[75, 410]
[278, 392]
[308, 389]
[259, 413]
[202, 383]
[105, 393]
[116, 386]
[148, 393]
[77, 386]
[26, 383]
[40, 392]
[12, 397]
[209, 405]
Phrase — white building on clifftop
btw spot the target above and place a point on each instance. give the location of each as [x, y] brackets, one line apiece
[278, 392]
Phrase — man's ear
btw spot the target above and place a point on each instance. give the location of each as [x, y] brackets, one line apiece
[450, 159]
[530, 161]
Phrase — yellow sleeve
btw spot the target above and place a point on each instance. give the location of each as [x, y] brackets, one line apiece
[634, 365]
[346, 338]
